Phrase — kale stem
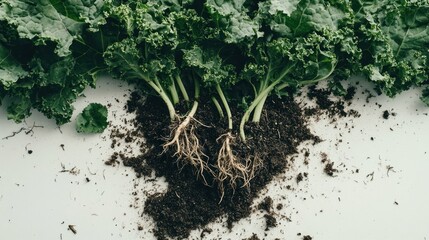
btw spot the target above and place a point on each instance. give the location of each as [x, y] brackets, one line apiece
[218, 107]
[158, 88]
[258, 110]
[263, 94]
[182, 88]
[173, 92]
[225, 105]
[196, 97]
[165, 98]
[157, 83]
[196, 89]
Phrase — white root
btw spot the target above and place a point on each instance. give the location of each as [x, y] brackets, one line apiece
[231, 168]
[187, 147]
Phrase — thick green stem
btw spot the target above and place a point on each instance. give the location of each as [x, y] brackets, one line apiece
[158, 88]
[255, 102]
[196, 89]
[218, 107]
[307, 82]
[196, 97]
[165, 98]
[182, 88]
[173, 93]
[258, 110]
[281, 86]
[263, 94]
[225, 105]
[193, 109]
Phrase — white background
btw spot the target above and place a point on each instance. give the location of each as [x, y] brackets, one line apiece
[39, 200]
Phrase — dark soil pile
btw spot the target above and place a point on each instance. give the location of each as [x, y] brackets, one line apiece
[334, 109]
[188, 202]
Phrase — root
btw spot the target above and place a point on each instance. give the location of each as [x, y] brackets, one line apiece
[231, 168]
[186, 146]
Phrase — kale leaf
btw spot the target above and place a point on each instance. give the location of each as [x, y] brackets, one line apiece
[93, 119]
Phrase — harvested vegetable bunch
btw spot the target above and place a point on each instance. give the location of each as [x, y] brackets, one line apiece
[394, 38]
[287, 45]
[49, 53]
[150, 56]
[236, 53]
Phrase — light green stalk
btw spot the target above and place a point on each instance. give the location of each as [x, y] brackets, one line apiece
[173, 93]
[225, 105]
[259, 101]
[182, 88]
[218, 107]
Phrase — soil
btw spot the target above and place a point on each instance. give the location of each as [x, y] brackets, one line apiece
[266, 205]
[253, 237]
[334, 109]
[329, 165]
[270, 221]
[189, 202]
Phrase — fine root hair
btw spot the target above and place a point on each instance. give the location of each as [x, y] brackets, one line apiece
[186, 146]
[233, 170]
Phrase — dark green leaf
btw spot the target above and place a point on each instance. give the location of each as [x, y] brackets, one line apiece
[93, 119]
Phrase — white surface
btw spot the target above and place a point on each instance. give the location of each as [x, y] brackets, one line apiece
[38, 201]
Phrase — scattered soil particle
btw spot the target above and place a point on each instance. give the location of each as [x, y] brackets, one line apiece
[324, 157]
[321, 96]
[386, 114]
[253, 237]
[306, 156]
[299, 178]
[205, 231]
[136, 163]
[113, 160]
[329, 169]
[266, 205]
[30, 151]
[389, 169]
[307, 237]
[333, 108]
[329, 165]
[279, 206]
[369, 95]
[351, 91]
[189, 203]
[270, 221]
[72, 229]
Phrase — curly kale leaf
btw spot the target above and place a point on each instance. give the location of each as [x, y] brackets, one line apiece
[47, 82]
[93, 119]
[210, 67]
[231, 16]
[10, 69]
[394, 36]
[300, 17]
[54, 51]
[59, 22]
[51, 87]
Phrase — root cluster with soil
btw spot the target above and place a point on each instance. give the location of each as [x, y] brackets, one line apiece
[231, 169]
[233, 172]
[186, 146]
